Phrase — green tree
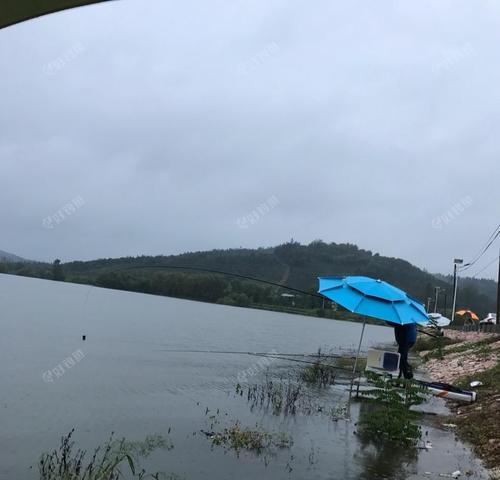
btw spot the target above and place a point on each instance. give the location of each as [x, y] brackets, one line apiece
[57, 271]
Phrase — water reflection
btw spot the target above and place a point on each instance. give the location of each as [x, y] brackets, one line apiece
[380, 458]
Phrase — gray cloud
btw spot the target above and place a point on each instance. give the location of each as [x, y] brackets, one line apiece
[366, 121]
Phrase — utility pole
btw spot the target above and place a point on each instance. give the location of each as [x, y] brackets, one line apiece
[498, 290]
[456, 262]
[445, 302]
[436, 289]
[429, 299]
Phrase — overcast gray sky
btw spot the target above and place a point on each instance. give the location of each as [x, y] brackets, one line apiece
[195, 125]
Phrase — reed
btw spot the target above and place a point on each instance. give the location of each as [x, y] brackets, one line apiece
[108, 462]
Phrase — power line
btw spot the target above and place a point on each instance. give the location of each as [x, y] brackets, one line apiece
[484, 268]
[489, 242]
[470, 264]
[492, 235]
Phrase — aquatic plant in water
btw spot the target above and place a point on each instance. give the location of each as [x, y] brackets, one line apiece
[340, 412]
[278, 396]
[287, 397]
[391, 417]
[106, 462]
[319, 373]
[326, 367]
[256, 439]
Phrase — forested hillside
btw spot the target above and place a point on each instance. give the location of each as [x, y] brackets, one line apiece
[9, 257]
[290, 264]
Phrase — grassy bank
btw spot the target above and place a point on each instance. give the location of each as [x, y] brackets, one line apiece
[479, 423]
[460, 359]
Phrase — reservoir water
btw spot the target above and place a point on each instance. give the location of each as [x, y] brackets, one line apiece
[124, 378]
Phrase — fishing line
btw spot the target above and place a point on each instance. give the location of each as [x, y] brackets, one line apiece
[277, 356]
[262, 354]
[221, 272]
[237, 275]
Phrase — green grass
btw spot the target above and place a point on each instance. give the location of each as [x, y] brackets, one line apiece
[476, 346]
[490, 379]
[425, 343]
[108, 462]
[479, 422]
[435, 346]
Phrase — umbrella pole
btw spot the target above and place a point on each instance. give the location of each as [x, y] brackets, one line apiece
[356, 362]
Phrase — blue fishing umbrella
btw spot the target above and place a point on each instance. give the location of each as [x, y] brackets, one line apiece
[373, 298]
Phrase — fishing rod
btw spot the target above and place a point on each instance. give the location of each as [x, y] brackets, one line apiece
[263, 354]
[277, 356]
[430, 334]
[220, 272]
[237, 275]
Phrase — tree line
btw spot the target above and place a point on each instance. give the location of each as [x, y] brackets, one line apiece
[291, 264]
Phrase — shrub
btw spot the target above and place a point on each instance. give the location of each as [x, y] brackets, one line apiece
[392, 418]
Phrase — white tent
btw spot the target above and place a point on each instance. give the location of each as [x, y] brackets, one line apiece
[490, 318]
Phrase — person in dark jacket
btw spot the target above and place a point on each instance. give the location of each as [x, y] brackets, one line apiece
[406, 336]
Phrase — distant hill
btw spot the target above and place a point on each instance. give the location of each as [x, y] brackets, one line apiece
[10, 257]
[291, 264]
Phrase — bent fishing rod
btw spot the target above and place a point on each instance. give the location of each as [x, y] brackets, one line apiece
[236, 275]
[220, 272]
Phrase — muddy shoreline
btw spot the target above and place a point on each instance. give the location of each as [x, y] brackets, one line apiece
[459, 358]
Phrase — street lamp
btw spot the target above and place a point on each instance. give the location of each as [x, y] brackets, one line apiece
[456, 262]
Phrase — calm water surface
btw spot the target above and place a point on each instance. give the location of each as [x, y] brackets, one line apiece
[125, 380]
